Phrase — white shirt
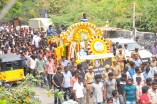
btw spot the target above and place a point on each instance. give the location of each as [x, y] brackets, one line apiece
[142, 77]
[127, 73]
[32, 63]
[125, 52]
[1, 28]
[70, 102]
[1, 52]
[78, 88]
[154, 70]
[153, 96]
[36, 40]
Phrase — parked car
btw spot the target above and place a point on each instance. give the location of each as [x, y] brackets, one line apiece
[144, 54]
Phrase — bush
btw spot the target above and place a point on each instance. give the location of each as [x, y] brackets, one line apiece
[21, 94]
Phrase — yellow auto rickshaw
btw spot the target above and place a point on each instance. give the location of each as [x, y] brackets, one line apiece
[11, 68]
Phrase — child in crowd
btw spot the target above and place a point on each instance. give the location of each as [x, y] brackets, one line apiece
[115, 97]
[139, 86]
[138, 73]
[144, 98]
[110, 101]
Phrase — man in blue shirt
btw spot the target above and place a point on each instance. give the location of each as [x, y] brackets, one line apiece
[50, 31]
[137, 60]
[64, 61]
[129, 93]
[131, 70]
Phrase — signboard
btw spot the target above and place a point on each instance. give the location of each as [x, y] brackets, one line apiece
[99, 61]
[99, 65]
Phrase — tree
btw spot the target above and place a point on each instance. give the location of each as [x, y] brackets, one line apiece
[3, 3]
[67, 12]
[15, 11]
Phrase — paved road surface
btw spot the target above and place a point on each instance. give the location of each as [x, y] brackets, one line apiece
[43, 96]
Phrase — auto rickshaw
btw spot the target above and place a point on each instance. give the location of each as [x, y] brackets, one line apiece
[11, 68]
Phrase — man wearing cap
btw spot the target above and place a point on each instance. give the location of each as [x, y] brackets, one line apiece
[120, 58]
[135, 52]
[153, 62]
[89, 77]
[115, 69]
[105, 73]
[128, 62]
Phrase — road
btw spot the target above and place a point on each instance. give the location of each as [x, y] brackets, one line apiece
[41, 94]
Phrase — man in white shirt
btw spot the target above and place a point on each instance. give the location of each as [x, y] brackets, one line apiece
[1, 28]
[36, 40]
[33, 61]
[153, 93]
[66, 86]
[125, 50]
[78, 89]
[138, 73]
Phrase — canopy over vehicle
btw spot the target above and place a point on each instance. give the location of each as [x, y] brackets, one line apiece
[9, 57]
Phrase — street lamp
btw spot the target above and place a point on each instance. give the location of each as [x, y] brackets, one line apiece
[134, 17]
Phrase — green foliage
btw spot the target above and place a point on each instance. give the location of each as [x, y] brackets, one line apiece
[57, 93]
[67, 12]
[3, 3]
[22, 94]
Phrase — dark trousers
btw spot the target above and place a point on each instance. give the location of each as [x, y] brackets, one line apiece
[49, 78]
[25, 71]
[57, 100]
[66, 91]
[34, 72]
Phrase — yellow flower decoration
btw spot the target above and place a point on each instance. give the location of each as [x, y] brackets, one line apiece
[97, 45]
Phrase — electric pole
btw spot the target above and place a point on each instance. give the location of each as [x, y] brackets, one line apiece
[134, 19]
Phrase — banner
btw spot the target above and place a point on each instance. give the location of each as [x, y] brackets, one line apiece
[98, 56]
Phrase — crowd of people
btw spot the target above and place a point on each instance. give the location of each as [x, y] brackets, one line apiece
[126, 81]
